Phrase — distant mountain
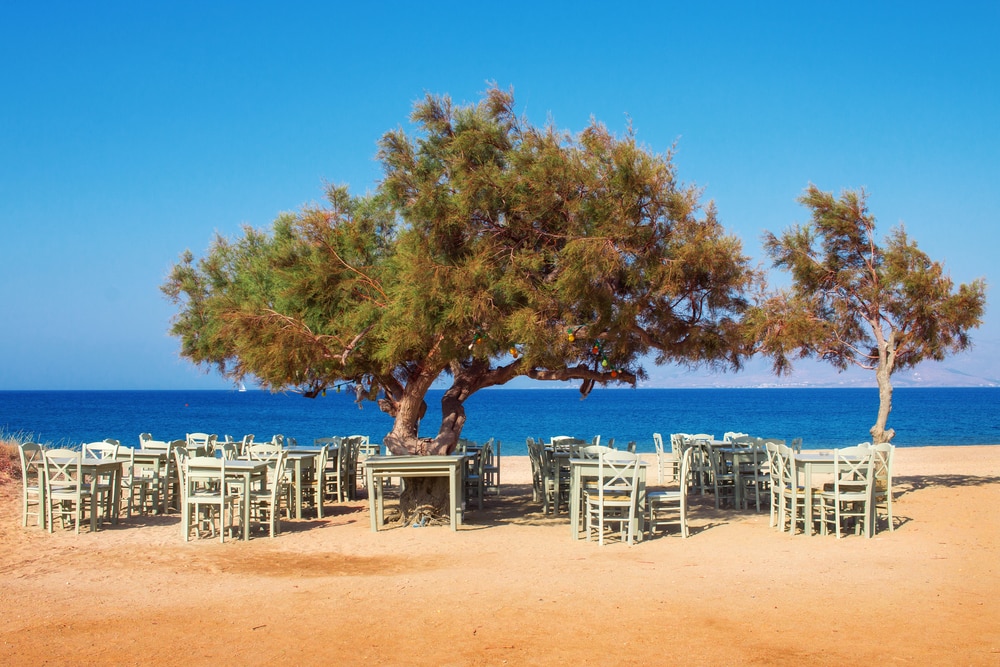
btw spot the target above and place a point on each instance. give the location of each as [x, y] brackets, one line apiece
[979, 367]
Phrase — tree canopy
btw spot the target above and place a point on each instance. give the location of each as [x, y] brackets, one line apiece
[853, 301]
[491, 249]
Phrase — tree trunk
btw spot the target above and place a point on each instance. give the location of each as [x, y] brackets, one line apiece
[879, 432]
[423, 499]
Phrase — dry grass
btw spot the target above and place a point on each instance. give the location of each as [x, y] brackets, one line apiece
[10, 461]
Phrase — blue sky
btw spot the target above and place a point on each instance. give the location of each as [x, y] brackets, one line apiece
[132, 131]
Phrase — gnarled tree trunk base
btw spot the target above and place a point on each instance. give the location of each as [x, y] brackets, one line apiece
[423, 501]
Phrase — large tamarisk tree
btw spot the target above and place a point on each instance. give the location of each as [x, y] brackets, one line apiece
[883, 307]
[492, 249]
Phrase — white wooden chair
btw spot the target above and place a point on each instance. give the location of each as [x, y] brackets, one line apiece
[313, 482]
[491, 470]
[199, 444]
[793, 497]
[882, 455]
[135, 487]
[754, 477]
[206, 495]
[851, 494]
[265, 502]
[775, 473]
[475, 481]
[665, 460]
[535, 458]
[671, 506]
[616, 499]
[32, 481]
[66, 492]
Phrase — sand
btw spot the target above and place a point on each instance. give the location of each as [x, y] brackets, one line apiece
[511, 587]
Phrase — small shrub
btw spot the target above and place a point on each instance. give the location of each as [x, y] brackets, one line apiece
[10, 460]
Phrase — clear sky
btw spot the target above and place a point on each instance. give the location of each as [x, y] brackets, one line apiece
[131, 131]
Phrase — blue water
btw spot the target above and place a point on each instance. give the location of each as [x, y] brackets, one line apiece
[822, 417]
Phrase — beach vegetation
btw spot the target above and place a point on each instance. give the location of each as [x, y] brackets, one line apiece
[883, 306]
[492, 249]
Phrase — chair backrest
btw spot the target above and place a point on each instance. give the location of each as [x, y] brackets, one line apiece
[617, 472]
[197, 439]
[321, 459]
[786, 466]
[677, 441]
[204, 473]
[535, 456]
[143, 437]
[852, 465]
[275, 475]
[596, 440]
[263, 451]
[797, 445]
[226, 450]
[658, 444]
[729, 436]
[278, 439]
[157, 444]
[32, 457]
[566, 441]
[774, 461]
[63, 469]
[100, 450]
[180, 452]
[684, 475]
[882, 455]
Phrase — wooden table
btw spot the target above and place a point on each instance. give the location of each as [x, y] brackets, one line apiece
[243, 472]
[581, 469]
[807, 464]
[739, 455]
[380, 468]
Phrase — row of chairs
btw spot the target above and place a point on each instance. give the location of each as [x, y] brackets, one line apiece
[611, 499]
[54, 484]
[860, 490]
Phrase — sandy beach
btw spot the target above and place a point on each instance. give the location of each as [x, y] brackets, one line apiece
[511, 587]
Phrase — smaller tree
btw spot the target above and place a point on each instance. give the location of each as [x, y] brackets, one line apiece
[854, 302]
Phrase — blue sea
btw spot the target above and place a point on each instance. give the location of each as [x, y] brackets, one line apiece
[822, 417]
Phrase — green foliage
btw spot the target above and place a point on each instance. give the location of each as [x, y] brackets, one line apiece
[853, 301]
[486, 233]
[851, 295]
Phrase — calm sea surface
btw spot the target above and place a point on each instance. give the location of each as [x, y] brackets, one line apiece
[822, 417]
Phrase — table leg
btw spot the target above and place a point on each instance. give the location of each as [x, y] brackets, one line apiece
[380, 501]
[298, 488]
[455, 496]
[807, 511]
[574, 501]
[372, 493]
[246, 506]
